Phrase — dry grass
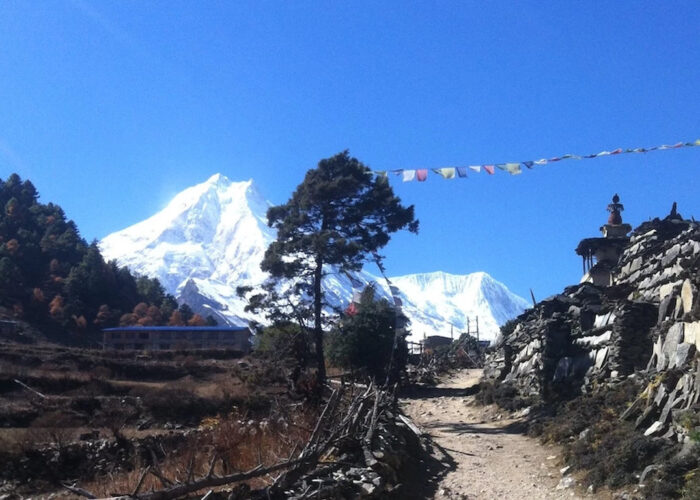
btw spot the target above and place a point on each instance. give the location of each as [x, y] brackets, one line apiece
[89, 390]
[227, 444]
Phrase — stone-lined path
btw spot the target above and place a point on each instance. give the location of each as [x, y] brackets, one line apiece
[490, 457]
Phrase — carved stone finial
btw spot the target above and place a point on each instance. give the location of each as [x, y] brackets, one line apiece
[615, 208]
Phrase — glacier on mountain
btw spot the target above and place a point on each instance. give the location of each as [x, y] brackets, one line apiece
[212, 237]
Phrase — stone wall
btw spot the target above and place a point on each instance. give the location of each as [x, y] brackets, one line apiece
[647, 321]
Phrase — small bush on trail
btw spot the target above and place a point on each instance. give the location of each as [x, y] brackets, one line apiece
[505, 395]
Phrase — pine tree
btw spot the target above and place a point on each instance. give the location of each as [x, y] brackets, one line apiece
[339, 215]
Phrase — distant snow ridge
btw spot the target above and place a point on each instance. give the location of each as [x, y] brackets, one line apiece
[212, 237]
[439, 303]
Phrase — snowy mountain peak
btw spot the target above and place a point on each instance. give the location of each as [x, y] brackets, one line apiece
[458, 300]
[211, 238]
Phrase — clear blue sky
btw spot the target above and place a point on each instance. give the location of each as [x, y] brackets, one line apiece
[111, 107]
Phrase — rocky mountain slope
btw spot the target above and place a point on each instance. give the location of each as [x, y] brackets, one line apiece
[211, 238]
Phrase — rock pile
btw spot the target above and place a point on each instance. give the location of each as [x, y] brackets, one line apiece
[647, 320]
[567, 341]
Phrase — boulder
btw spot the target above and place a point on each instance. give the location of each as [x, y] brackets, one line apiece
[691, 333]
[674, 336]
[687, 295]
[668, 288]
[654, 428]
[684, 354]
[664, 307]
[601, 357]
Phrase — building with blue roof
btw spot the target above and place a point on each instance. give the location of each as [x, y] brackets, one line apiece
[158, 338]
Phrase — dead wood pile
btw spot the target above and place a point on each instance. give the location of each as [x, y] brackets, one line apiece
[358, 448]
[464, 352]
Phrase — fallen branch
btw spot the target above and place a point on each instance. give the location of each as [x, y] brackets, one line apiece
[30, 389]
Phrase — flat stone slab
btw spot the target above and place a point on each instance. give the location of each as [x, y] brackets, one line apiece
[687, 295]
[684, 354]
[691, 333]
[654, 428]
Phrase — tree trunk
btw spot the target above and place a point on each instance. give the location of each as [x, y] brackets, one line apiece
[318, 326]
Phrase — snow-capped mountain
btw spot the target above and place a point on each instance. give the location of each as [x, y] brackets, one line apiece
[211, 239]
[438, 303]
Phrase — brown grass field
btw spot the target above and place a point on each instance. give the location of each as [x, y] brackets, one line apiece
[99, 418]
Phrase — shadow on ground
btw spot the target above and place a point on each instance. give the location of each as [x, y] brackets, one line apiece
[460, 428]
[428, 392]
[422, 479]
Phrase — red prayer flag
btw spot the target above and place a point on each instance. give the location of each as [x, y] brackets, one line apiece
[489, 169]
[351, 310]
[421, 174]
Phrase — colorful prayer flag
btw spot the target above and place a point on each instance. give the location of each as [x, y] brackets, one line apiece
[446, 173]
[351, 310]
[513, 168]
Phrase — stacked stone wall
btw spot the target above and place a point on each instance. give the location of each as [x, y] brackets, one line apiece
[587, 335]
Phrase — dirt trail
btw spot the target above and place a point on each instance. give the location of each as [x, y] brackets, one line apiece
[490, 457]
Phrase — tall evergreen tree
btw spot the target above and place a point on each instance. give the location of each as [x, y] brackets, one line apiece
[339, 215]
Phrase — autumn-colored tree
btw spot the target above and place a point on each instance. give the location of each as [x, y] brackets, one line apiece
[104, 315]
[176, 319]
[12, 246]
[51, 275]
[127, 319]
[154, 313]
[197, 320]
[80, 323]
[141, 310]
[56, 308]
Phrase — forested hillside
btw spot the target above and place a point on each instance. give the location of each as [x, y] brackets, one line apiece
[54, 280]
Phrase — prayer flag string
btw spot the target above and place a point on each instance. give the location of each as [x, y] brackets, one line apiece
[515, 168]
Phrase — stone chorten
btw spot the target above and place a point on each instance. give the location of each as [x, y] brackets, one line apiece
[601, 255]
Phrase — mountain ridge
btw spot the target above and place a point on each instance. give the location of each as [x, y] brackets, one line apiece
[211, 237]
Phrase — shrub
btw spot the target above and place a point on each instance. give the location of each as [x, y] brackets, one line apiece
[505, 395]
[365, 340]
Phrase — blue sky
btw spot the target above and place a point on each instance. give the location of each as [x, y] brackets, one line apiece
[112, 107]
